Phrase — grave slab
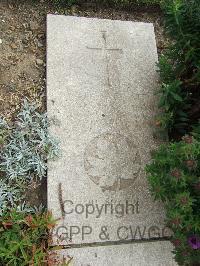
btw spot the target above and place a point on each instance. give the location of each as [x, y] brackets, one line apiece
[144, 254]
[101, 83]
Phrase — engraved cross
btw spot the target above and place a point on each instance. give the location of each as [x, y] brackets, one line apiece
[109, 69]
[105, 47]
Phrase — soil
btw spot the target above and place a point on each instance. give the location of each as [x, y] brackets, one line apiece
[23, 52]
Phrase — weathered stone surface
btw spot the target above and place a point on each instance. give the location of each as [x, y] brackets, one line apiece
[101, 80]
[144, 254]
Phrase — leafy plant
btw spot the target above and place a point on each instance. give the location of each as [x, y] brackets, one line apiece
[180, 67]
[9, 196]
[24, 238]
[173, 104]
[27, 145]
[174, 176]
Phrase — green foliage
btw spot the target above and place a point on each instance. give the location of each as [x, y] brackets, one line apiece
[180, 66]
[24, 238]
[173, 102]
[174, 176]
[196, 131]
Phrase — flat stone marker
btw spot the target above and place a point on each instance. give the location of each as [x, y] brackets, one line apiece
[101, 82]
[145, 254]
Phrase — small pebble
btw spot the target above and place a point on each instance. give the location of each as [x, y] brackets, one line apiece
[13, 46]
[39, 62]
[39, 44]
